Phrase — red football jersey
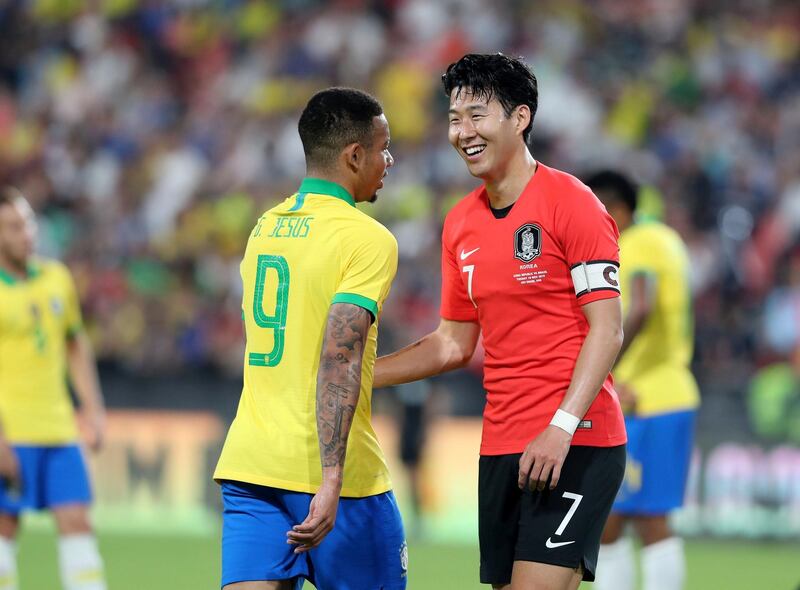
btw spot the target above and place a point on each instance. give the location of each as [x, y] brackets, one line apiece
[524, 278]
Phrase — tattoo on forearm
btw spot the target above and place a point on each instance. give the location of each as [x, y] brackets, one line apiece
[332, 421]
[339, 379]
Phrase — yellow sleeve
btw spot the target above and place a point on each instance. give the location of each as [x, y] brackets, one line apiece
[370, 264]
[638, 256]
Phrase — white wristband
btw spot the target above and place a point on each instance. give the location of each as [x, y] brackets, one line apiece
[565, 421]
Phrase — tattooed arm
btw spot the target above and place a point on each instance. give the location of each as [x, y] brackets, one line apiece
[338, 387]
[339, 383]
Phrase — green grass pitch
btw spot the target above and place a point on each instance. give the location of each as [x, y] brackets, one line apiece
[137, 562]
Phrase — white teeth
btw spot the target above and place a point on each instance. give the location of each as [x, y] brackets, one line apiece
[477, 149]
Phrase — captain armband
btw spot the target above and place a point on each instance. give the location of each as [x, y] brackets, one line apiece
[595, 275]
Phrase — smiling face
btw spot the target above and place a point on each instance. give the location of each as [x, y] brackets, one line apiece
[377, 161]
[482, 134]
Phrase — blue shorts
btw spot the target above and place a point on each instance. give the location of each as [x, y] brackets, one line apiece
[366, 550]
[49, 477]
[659, 454]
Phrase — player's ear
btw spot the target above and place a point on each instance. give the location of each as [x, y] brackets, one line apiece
[521, 117]
[354, 157]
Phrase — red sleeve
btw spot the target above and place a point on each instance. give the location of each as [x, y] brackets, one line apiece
[590, 239]
[456, 304]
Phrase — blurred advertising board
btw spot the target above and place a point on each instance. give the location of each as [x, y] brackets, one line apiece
[154, 474]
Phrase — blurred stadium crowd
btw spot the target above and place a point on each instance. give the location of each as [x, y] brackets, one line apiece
[149, 136]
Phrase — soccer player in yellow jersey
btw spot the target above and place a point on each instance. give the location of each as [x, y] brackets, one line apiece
[657, 390]
[301, 454]
[41, 341]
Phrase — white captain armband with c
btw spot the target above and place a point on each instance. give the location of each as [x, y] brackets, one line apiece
[595, 275]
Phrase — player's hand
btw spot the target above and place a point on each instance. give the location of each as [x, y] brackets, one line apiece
[320, 520]
[93, 424]
[9, 466]
[627, 397]
[543, 459]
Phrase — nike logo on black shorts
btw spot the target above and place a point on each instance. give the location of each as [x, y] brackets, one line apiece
[550, 545]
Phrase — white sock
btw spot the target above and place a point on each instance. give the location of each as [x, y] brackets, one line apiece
[664, 565]
[81, 565]
[8, 564]
[615, 566]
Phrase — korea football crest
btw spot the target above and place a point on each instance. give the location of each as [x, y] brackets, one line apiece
[527, 242]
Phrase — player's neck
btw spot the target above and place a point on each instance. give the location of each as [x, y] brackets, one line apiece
[15, 270]
[624, 221]
[333, 176]
[504, 189]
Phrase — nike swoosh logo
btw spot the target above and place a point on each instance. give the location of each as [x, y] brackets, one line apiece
[465, 255]
[550, 545]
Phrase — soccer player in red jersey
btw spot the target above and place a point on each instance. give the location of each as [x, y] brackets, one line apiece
[530, 260]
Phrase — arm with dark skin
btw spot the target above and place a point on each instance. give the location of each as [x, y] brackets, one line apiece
[642, 297]
[9, 467]
[338, 388]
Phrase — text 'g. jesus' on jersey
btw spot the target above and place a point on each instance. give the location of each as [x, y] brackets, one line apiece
[524, 278]
[312, 250]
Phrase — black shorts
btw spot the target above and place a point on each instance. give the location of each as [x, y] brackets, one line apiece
[560, 526]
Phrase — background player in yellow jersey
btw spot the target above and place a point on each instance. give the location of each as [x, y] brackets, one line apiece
[316, 272]
[657, 391]
[41, 341]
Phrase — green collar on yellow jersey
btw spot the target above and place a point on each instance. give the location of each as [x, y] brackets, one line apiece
[9, 279]
[318, 186]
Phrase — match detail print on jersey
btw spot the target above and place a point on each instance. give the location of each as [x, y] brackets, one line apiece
[596, 275]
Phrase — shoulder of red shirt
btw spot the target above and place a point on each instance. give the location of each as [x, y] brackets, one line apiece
[568, 189]
[474, 198]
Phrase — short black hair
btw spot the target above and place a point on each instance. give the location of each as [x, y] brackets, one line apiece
[494, 75]
[333, 119]
[617, 185]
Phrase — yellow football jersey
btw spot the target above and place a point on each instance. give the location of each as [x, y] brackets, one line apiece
[656, 365]
[37, 316]
[312, 250]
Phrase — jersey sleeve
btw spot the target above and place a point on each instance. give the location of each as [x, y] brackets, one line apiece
[590, 240]
[639, 256]
[369, 268]
[456, 303]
